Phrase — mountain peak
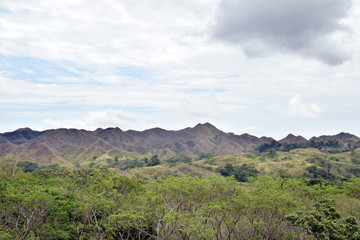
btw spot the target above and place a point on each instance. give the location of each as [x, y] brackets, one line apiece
[291, 138]
[205, 128]
[205, 125]
[345, 136]
[157, 131]
[99, 129]
[25, 129]
[21, 135]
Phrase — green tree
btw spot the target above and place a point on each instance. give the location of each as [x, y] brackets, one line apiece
[28, 166]
[325, 222]
[241, 174]
[154, 161]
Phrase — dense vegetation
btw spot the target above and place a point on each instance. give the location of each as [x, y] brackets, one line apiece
[329, 145]
[297, 194]
[99, 204]
[240, 173]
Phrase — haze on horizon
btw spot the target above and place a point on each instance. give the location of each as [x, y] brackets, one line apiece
[267, 68]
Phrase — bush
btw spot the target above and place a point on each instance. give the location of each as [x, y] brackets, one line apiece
[28, 166]
[241, 173]
[154, 161]
[355, 160]
[315, 172]
[354, 170]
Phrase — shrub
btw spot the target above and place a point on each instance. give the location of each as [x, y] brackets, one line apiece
[326, 223]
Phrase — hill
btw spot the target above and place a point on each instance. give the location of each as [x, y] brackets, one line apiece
[293, 139]
[108, 147]
[341, 137]
[76, 146]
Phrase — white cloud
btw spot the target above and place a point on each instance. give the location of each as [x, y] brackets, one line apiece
[54, 124]
[201, 107]
[109, 118]
[92, 58]
[296, 108]
[104, 33]
[94, 119]
[28, 71]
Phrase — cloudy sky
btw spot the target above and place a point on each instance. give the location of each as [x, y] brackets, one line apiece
[265, 67]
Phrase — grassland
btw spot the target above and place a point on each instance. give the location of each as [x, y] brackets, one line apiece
[293, 163]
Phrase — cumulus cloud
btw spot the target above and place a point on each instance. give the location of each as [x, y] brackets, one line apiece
[309, 28]
[296, 108]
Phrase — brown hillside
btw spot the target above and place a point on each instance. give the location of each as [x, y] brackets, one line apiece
[293, 139]
[78, 146]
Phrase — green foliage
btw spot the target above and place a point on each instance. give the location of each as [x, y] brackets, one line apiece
[321, 144]
[129, 164]
[271, 153]
[354, 170]
[284, 174]
[9, 168]
[267, 146]
[28, 166]
[205, 155]
[316, 172]
[241, 174]
[183, 159]
[96, 204]
[325, 144]
[155, 160]
[352, 188]
[355, 160]
[332, 158]
[63, 204]
[91, 165]
[325, 223]
[290, 146]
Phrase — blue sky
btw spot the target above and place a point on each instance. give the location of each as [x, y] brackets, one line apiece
[262, 67]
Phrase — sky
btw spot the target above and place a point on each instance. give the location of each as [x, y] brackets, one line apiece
[263, 67]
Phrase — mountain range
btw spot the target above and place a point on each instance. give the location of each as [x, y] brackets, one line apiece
[69, 146]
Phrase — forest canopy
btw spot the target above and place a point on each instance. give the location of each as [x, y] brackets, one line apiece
[98, 204]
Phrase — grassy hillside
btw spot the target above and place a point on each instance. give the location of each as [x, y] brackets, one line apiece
[293, 163]
[307, 162]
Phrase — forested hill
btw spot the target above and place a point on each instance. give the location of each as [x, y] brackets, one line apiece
[69, 146]
[159, 184]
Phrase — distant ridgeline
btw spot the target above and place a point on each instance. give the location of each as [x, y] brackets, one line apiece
[332, 144]
[113, 147]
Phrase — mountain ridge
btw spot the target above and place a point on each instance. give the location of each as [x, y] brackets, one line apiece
[74, 145]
